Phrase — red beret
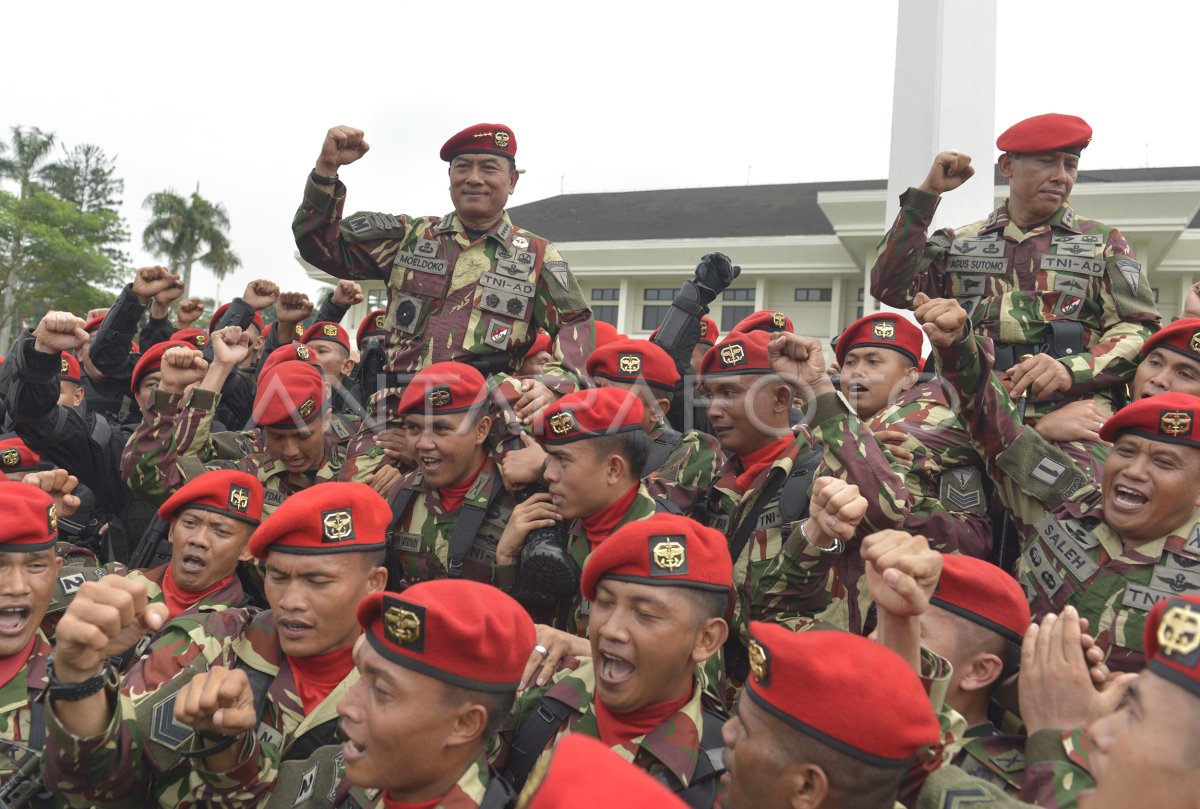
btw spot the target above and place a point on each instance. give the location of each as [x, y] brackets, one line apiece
[32, 519]
[591, 413]
[444, 387]
[197, 337]
[481, 139]
[465, 633]
[606, 333]
[93, 324]
[289, 395]
[1182, 336]
[373, 325]
[324, 330]
[767, 320]
[586, 774]
[869, 703]
[325, 518]
[151, 361]
[665, 549]
[1170, 417]
[983, 594]
[738, 353]
[16, 456]
[631, 360]
[68, 368]
[216, 318]
[884, 330]
[1051, 132]
[224, 491]
[292, 352]
[540, 343]
[1171, 639]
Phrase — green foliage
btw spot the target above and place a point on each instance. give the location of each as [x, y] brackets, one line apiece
[183, 231]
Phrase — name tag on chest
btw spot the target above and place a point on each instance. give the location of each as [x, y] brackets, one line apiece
[971, 264]
[1068, 550]
[1082, 266]
[433, 266]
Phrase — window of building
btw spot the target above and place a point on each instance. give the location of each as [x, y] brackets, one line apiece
[652, 316]
[606, 294]
[607, 313]
[667, 295]
[738, 295]
[376, 299]
[732, 315]
[813, 294]
[1155, 291]
[860, 296]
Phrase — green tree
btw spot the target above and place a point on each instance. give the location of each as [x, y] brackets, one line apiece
[88, 178]
[184, 231]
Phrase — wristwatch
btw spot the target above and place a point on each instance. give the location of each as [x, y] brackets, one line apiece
[321, 179]
[73, 692]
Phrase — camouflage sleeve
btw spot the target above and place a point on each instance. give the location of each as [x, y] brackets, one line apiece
[1129, 318]
[1031, 475]
[171, 444]
[108, 769]
[246, 786]
[687, 473]
[560, 308]
[362, 247]
[907, 262]
[1056, 769]
[795, 586]
[949, 787]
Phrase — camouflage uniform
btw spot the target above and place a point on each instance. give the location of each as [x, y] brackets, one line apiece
[1069, 555]
[175, 443]
[16, 697]
[688, 472]
[993, 756]
[466, 794]
[423, 535]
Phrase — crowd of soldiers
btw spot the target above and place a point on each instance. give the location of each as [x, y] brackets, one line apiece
[490, 553]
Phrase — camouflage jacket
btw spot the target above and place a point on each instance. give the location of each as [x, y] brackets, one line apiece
[1013, 283]
[450, 298]
[993, 756]
[668, 752]
[422, 537]
[1069, 555]
[16, 698]
[688, 472]
[175, 443]
[466, 794]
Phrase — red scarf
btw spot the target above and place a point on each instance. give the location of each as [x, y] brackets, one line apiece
[391, 803]
[452, 496]
[600, 525]
[317, 676]
[619, 728]
[11, 666]
[179, 600]
[760, 459]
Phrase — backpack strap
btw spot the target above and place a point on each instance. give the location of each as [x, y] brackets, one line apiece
[797, 489]
[666, 507]
[530, 740]
[664, 444]
[701, 793]
[466, 529]
[745, 527]
[499, 794]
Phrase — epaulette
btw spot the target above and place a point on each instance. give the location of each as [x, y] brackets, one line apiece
[365, 226]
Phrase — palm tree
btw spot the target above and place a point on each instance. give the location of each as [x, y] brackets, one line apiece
[184, 231]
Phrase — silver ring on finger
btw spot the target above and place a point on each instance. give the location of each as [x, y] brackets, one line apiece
[541, 650]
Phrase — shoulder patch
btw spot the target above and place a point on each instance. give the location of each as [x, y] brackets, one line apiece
[367, 225]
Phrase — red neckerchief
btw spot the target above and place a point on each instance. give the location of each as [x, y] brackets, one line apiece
[11, 666]
[619, 728]
[601, 524]
[452, 496]
[317, 676]
[179, 600]
[391, 803]
[760, 459]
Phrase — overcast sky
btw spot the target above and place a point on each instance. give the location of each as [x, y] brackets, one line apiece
[609, 96]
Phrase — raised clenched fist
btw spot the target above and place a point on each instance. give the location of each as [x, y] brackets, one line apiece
[347, 293]
[261, 293]
[58, 332]
[949, 171]
[290, 309]
[181, 366]
[942, 319]
[219, 700]
[902, 571]
[799, 360]
[343, 145]
[230, 346]
[835, 508]
[105, 618]
[152, 281]
[188, 312]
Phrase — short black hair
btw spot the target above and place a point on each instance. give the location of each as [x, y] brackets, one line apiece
[497, 704]
[632, 445]
[708, 603]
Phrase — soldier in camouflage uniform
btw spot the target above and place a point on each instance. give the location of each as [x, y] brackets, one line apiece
[469, 287]
[175, 441]
[438, 676]
[659, 589]
[1111, 549]
[1035, 277]
[246, 713]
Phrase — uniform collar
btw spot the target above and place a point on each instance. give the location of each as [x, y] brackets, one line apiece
[1064, 218]
[502, 232]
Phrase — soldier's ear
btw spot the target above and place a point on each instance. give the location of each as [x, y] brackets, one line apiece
[1005, 162]
[470, 722]
[807, 785]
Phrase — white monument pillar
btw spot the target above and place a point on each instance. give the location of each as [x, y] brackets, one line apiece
[944, 98]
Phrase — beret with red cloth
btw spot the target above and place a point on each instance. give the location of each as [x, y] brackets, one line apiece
[665, 549]
[151, 361]
[1182, 336]
[68, 368]
[197, 337]
[1051, 132]
[631, 360]
[373, 325]
[332, 517]
[93, 324]
[289, 395]
[257, 322]
[324, 330]
[1173, 418]
[229, 492]
[540, 343]
[16, 456]
[738, 353]
[767, 320]
[871, 705]
[1171, 639]
[444, 387]
[591, 413]
[481, 139]
[292, 352]
[983, 594]
[882, 330]
[606, 333]
[583, 773]
[465, 633]
[32, 519]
